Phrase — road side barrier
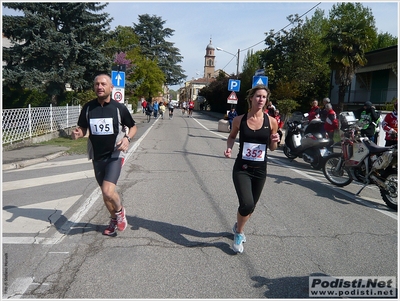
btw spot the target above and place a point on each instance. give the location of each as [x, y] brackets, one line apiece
[223, 126]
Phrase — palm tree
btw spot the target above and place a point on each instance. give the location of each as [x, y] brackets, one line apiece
[351, 32]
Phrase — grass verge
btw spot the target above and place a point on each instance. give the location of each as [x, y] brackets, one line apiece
[76, 147]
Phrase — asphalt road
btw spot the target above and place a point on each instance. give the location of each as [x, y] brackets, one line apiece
[181, 206]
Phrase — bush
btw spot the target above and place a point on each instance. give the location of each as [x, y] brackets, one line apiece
[286, 107]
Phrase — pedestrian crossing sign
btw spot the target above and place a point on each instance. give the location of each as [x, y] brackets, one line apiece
[260, 80]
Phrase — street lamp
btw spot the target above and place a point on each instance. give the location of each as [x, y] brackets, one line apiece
[237, 59]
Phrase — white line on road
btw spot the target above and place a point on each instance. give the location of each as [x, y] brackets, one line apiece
[18, 288]
[34, 182]
[51, 164]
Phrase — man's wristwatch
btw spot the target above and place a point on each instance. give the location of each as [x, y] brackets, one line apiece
[127, 137]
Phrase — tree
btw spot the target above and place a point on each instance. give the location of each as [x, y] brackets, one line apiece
[122, 39]
[296, 59]
[143, 76]
[152, 39]
[384, 40]
[55, 44]
[148, 77]
[350, 33]
[217, 94]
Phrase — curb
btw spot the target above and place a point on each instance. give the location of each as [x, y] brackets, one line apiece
[25, 163]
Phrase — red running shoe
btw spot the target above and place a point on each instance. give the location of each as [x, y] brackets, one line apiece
[122, 223]
[111, 229]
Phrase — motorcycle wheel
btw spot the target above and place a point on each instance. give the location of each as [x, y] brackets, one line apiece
[390, 196]
[287, 153]
[339, 178]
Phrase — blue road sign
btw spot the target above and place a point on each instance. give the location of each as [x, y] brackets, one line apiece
[118, 79]
[234, 85]
[259, 72]
[260, 80]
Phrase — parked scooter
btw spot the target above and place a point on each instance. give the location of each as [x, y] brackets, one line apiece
[363, 161]
[307, 140]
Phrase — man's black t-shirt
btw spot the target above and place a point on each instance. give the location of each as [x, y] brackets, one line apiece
[106, 126]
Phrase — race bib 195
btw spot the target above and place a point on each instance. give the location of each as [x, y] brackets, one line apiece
[101, 126]
[253, 151]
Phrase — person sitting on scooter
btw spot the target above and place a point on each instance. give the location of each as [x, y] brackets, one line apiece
[368, 117]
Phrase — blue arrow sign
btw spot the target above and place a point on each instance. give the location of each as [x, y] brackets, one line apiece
[260, 80]
[118, 79]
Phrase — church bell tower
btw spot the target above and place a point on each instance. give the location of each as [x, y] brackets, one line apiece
[209, 58]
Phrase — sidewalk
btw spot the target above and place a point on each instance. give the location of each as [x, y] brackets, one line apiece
[29, 155]
[33, 154]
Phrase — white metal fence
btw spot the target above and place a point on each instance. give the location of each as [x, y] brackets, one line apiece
[20, 124]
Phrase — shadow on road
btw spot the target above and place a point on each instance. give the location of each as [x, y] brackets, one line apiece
[177, 233]
[285, 287]
[174, 233]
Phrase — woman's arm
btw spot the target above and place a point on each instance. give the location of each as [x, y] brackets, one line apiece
[232, 136]
[274, 138]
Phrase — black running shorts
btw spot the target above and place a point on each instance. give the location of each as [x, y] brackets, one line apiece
[107, 170]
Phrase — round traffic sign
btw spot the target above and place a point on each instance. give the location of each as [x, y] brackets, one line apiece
[118, 96]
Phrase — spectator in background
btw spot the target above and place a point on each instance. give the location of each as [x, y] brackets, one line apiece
[331, 122]
[271, 109]
[155, 108]
[144, 105]
[368, 118]
[232, 114]
[315, 111]
[161, 108]
[390, 127]
[324, 111]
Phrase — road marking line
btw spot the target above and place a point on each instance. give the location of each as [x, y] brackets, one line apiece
[18, 288]
[75, 218]
[21, 240]
[35, 218]
[29, 183]
[51, 164]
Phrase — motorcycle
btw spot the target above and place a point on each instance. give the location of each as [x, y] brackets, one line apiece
[361, 160]
[307, 140]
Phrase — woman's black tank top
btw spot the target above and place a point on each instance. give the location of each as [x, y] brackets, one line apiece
[253, 144]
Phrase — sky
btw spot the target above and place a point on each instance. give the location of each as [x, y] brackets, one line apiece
[230, 25]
